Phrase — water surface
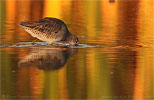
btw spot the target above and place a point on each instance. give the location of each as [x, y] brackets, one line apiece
[114, 59]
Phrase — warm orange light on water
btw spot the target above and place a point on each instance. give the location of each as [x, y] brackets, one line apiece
[144, 70]
[52, 8]
[117, 62]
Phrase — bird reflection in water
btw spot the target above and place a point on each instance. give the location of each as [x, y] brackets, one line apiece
[48, 58]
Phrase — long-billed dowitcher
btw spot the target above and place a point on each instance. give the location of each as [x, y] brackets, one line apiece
[50, 30]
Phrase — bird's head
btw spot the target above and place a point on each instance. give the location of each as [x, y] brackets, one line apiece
[72, 39]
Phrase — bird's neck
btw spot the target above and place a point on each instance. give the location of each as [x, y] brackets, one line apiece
[69, 36]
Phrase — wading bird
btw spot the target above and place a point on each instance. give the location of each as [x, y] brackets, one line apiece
[50, 30]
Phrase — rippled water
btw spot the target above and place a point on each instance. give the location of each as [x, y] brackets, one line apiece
[114, 59]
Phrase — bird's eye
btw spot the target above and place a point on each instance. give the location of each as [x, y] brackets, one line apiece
[76, 41]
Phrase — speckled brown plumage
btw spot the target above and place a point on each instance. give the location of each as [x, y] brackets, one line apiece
[49, 30]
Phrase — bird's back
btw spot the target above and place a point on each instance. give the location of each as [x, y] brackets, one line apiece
[46, 29]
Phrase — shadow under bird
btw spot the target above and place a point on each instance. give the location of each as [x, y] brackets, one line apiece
[49, 30]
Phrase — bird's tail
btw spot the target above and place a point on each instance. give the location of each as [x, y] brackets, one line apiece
[30, 24]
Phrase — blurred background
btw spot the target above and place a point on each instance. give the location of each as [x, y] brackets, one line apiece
[118, 65]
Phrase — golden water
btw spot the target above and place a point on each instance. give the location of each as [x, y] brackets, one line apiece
[114, 61]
